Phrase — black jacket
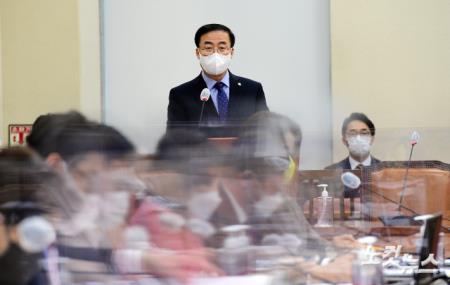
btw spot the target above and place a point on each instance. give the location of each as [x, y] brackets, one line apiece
[246, 98]
[345, 163]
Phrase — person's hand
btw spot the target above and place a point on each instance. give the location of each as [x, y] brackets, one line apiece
[338, 270]
[346, 241]
[179, 265]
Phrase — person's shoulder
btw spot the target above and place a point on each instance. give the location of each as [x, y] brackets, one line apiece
[375, 160]
[343, 164]
[189, 84]
[243, 80]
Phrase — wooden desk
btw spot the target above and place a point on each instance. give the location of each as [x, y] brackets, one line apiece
[405, 236]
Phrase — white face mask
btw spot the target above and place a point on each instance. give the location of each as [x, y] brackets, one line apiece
[114, 209]
[359, 146]
[203, 205]
[267, 205]
[84, 220]
[215, 63]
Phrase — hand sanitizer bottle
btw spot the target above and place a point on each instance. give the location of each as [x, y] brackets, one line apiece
[234, 257]
[324, 208]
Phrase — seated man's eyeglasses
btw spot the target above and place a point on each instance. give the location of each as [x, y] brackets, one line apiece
[352, 133]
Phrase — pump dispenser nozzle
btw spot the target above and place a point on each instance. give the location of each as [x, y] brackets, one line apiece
[324, 189]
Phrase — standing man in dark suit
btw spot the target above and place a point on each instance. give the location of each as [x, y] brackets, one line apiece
[233, 98]
[358, 133]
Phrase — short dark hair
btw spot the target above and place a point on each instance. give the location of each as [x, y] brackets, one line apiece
[182, 144]
[211, 28]
[24, 179]
[262, 146]
[47, 127]
[358, 117]
[92, 137]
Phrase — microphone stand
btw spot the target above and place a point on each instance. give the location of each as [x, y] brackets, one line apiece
[201, 112]
[400, 219]
[405, 179]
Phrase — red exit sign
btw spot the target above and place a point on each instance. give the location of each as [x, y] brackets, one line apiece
[18, 133]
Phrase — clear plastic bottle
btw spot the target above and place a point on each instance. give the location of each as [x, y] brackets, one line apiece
[324, 208]
[234, 257]
[367, 270]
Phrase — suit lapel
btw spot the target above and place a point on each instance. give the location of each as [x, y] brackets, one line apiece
[347, 164]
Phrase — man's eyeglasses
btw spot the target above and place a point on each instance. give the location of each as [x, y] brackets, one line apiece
[210, 50]
[352, 133]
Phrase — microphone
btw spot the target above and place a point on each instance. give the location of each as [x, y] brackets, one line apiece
[415, 137]
[350, 180]
[204, 96]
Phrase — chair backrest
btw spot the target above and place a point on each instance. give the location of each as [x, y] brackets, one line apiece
[425, 191]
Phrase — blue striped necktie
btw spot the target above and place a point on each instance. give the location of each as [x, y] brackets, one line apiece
[222, 101]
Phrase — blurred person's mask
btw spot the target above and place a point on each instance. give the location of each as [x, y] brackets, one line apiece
[201, 227]
[202, 205]
[359, 145]
[115, 187]
[83, 220]
[114, 208]
[215, 63]
[18, 266]
[268, 204]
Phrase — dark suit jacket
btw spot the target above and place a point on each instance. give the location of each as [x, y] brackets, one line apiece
[345, 164]
[246, 98]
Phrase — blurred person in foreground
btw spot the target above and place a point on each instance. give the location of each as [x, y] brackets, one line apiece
[266, 149]
[269, 149]
[94, 161]
[25, 233]
[209, 193]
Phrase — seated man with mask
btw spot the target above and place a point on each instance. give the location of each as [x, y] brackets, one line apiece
[358, 134]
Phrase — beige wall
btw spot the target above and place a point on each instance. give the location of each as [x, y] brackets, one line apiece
[2, 137]
[49, 59]
[391, 60]
[90, 77]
